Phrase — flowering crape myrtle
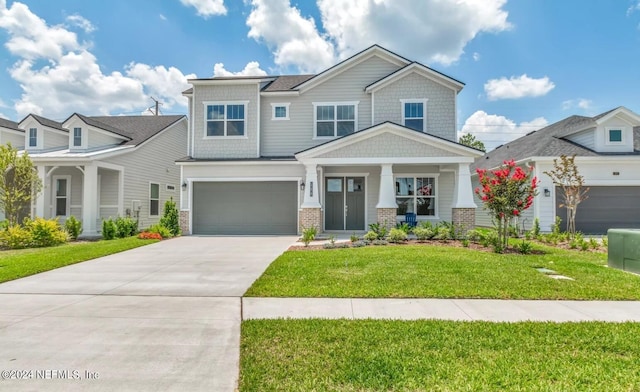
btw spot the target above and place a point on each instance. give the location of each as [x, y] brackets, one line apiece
[506, 192]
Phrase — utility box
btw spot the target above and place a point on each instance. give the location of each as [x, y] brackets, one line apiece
[624, 249]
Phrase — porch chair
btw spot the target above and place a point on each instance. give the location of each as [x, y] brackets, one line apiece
[410, 219]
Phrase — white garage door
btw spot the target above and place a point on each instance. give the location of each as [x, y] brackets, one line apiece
[245, 208]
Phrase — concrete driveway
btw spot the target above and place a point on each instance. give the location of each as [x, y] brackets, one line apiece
[161, 317]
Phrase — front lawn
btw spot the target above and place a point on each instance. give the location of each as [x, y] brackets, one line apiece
[16, 264]
[374, 355]
[431, 271]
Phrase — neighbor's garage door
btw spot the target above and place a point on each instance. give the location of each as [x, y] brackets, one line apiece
[245, 207]
[606, 207]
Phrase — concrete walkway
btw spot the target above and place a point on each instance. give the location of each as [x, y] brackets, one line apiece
[445, 309]
[164, 317]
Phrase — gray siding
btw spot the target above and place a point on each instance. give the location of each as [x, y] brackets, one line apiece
[16, 140]
[441, 105]
[286, 137]
[221, 147]
[99, 139]
[153, 162]
[585, 138]
[53, 139]
[75, 202]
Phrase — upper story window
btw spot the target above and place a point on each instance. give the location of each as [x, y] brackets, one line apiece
[414, 114]
[614, 136]
[335, 119]
[77, 137]
[280, 111]
[225, 119]
[33, 137]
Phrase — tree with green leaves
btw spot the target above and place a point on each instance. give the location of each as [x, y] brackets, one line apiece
[19, 182]
[171, 218]
[565, 175]
[469, 140]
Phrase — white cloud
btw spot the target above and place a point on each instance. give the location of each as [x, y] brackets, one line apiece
[251, 69]
[494, 130]
[294, 39]
[207, 8]
[517, 87]
[162, 17]
[81, 22]
[71, 80]
[633, 8]
[476, 56]
[580, 103]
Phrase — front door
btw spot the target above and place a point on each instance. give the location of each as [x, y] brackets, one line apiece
[344, 203]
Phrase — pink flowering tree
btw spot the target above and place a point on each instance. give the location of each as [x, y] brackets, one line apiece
[506, 192]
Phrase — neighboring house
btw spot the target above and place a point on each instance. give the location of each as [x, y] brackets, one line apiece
[607, 149]
[365, 141]
[99, 167]
[10, 133]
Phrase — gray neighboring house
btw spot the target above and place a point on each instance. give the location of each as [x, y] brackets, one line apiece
[607, 149]
[96, 167]
[367, 140]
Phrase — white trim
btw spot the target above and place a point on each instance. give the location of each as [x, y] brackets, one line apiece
[108, 206]
[392, 160]
[110, 166]
[335, 118]
[191, 125]
[273, 111]
[54, 197]
[39, 136]
[258, 116]
[344, 201]
[149, 212]
[373, 108]
[632, 118]
[423, 101]
[72, 139]
[435, 197]
[607, 136]
[229, 81]
[292, 93]
[235, 163]
[226, 120]
[420, 70]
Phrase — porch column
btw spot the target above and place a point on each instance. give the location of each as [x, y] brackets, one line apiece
[90, 200]
[311, 210]
[387, 206]
[42, 175]
[463, 210]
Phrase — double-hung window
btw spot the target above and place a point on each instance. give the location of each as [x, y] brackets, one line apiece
[33, 137]
[416, 194]
[335, 119]
[154, 199]
[414, 114]
[225, 119]
[77, 137]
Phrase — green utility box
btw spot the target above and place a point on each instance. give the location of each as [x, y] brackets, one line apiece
[624, 249]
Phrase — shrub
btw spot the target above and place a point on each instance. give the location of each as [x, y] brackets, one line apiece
[535, 230]
[605, 241]
[404, 226]
[524, 247]
[15, 237]
[475, 235]
[465, 242]
[4, 224]
[342, 245]
[309, 234]
[126, 227]
[397, 235]
[380, 242]
[73, 227]
[46, 232]
[359, 244]
[584, 245]
[371, 235]
[109, 229]
[145, 235]
[332, 239]
[159, 229]
[423, 233]
[593, 243]
[380, 230]
[328, 245]
[556, 227]
[444, 234]
[170, 217]
[354, 238]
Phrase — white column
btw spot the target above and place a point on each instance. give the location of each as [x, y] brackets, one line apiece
[387, 195]
[463, 193]
[90, 200]
[311, 188]
[42, 174]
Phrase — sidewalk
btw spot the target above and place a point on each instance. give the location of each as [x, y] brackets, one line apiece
[444, 309]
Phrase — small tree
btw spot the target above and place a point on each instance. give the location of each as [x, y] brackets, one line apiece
[506, 192]
[565, 175]
[19, 182]
[469, 140]
[170, 218]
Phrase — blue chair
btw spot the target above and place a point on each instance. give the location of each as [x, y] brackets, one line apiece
[410, 219]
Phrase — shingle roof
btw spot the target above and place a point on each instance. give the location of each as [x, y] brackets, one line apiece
[9, 124]
[286, 82]
[137, 128]
[48, 123]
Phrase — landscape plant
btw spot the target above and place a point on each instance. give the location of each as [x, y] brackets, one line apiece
[73, 227]
[161, 230]
[565, 175]
[46, 232]
[397, 235]
[125, 227]
[506, 192]
[19, 183]
[109, 229]
[170, 217]
[309, 234]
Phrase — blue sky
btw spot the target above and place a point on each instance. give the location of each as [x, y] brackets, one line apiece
[526, 63]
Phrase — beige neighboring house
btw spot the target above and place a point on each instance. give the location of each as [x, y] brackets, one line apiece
[107, 166]
[368, 140]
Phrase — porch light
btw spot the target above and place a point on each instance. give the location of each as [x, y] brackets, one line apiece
[302, 186]
[547, 192]
[184, 186]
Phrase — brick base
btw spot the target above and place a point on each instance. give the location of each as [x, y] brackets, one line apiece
[465, 218]
[184, 222]
[387, 216]
[310, 217]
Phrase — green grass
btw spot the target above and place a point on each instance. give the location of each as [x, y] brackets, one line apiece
[16, 264]
[347, 355]
[442, 272]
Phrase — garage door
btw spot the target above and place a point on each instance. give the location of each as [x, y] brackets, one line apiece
[241, 208]
[606, 207]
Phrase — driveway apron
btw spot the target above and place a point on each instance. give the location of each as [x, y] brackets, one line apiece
[161, 317]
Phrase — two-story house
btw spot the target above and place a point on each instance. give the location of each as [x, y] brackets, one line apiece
[607, 150]
[106, 166]
[368, 140]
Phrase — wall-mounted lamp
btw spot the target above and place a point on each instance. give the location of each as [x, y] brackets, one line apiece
[547, 192]
[302, 186]
[184, 186]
